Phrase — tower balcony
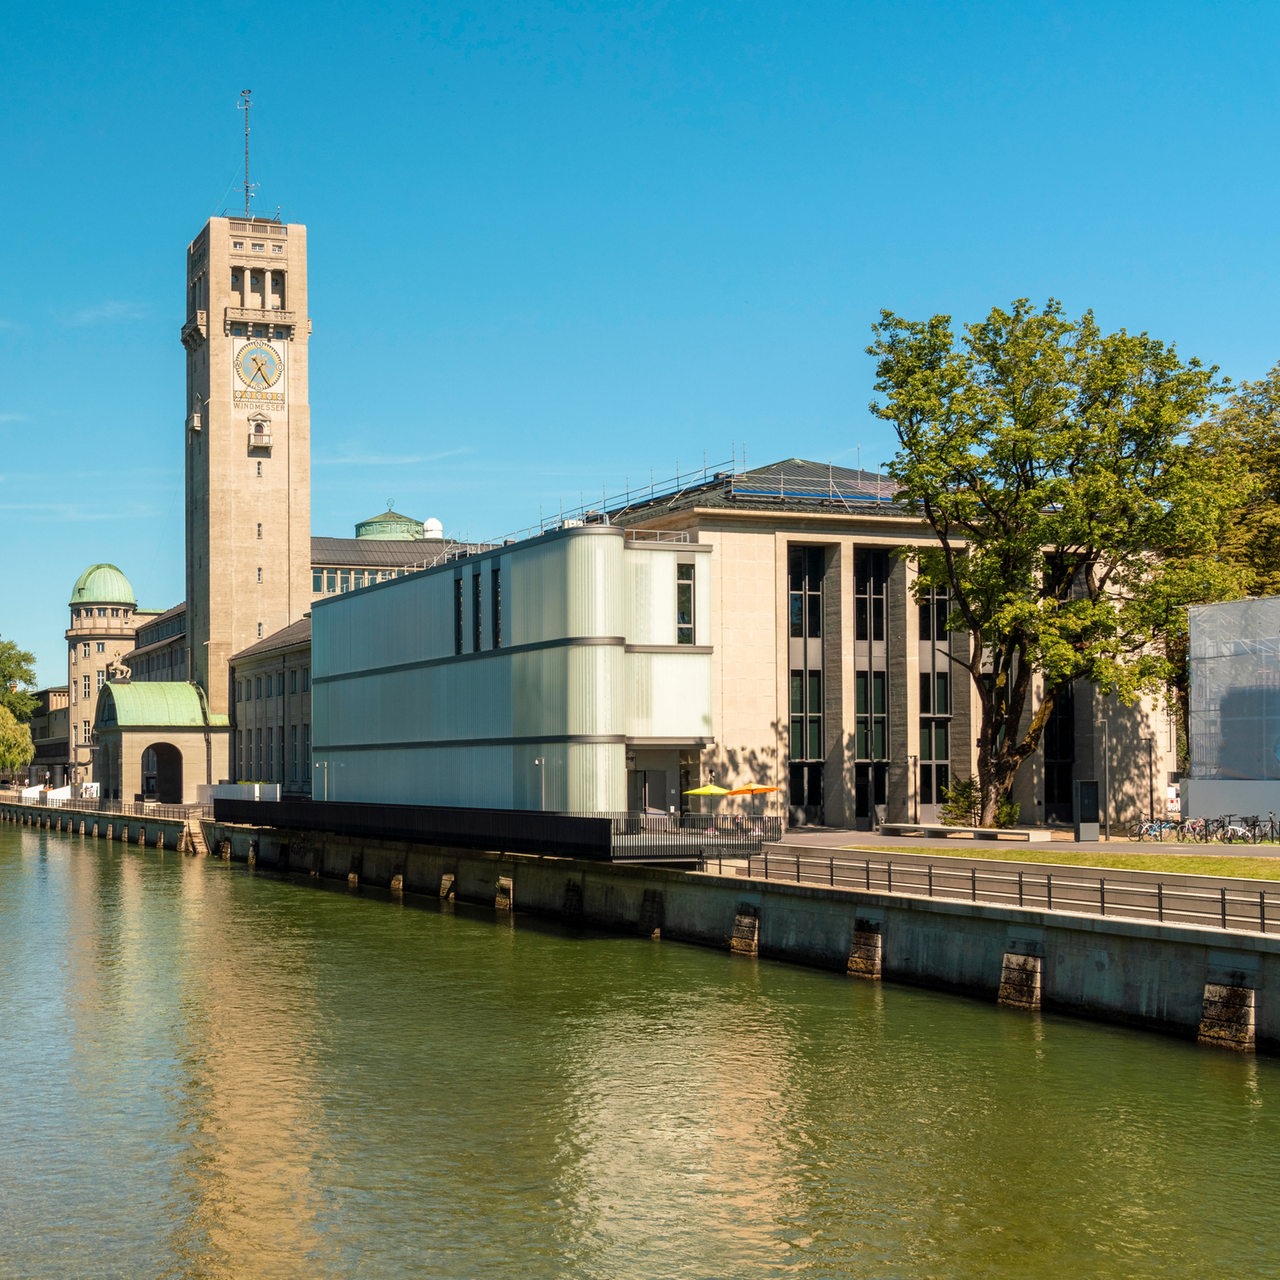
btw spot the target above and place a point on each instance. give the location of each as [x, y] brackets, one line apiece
[196, 330]
[258, 315]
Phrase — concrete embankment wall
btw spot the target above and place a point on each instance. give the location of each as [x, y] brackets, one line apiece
[1223, 987]
[161, 833]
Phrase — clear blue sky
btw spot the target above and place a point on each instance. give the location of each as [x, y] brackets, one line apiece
[561, 246]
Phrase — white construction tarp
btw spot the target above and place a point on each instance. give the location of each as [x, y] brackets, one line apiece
[1234, 712]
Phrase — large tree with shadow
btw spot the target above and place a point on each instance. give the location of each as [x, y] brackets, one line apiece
[17, 678]
[1077, 498]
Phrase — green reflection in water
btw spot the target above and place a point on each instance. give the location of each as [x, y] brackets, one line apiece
[210, 1073]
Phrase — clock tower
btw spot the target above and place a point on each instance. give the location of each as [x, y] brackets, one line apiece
[248, 441]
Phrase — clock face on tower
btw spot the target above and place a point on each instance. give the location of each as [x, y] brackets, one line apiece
[259, 365]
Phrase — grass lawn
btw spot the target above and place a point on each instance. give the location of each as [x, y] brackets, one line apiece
[1186, 864]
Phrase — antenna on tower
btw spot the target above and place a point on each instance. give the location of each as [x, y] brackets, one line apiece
[248, 186]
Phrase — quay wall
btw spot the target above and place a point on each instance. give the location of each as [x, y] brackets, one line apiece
[1172, 978]
[143, 829]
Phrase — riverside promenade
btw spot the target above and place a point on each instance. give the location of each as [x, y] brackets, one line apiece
[1060, 841]
[1056, 873]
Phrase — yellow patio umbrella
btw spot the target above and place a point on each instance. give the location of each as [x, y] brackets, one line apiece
[708, 789]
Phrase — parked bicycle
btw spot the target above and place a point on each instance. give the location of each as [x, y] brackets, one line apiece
[1152, 829]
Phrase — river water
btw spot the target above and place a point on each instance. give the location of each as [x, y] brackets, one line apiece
[210, 1073]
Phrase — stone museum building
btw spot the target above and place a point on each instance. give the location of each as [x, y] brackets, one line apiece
[752, 627]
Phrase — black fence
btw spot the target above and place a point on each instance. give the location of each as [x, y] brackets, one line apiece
[616, 837]
[1209, 905]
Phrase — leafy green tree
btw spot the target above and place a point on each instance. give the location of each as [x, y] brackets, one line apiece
[1249, 426]
[17, 678]
[1075, 516]
[16, 748]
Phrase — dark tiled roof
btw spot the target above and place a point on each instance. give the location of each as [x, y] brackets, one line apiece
[374, 553]
[294, 634]
[794, 484]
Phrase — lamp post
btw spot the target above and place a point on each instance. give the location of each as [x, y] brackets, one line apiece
[1106, 778]
[1151, 778]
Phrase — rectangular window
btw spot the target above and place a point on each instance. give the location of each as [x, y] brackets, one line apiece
[871, 590]
[266, 681]
[88, 732]
[330, 581]
[317, 580]
[306, 679]
[257, 687]
[87, 693]
[684, 604]
[477, 614]
[102, 647]
[805, 567]
[344, 580]
[306, 751]
[357, 578]
[271, 755]
[259, 573]
[102, 677]
[495, 605]
[86, 648]
[257, 772]
[806, 715]
[259, 530]
[293, 680]
[293, 752]
[457, 615]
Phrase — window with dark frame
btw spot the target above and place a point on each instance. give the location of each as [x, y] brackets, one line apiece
[495, 605]
[935, 696]
[685, 629]
[871, 567]
[806, 567]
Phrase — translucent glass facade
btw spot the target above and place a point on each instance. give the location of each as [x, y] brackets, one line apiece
[1234, 713]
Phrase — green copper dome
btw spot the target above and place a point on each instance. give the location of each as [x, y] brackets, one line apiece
[390, 526]
[102, 584]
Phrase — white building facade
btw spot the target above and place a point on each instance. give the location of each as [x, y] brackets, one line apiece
[569, 673]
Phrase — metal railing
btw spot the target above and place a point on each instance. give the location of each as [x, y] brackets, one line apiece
[690, 837]
[1212, 906]
[125, 808]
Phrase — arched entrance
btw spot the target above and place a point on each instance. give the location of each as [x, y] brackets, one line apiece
[162, 773]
